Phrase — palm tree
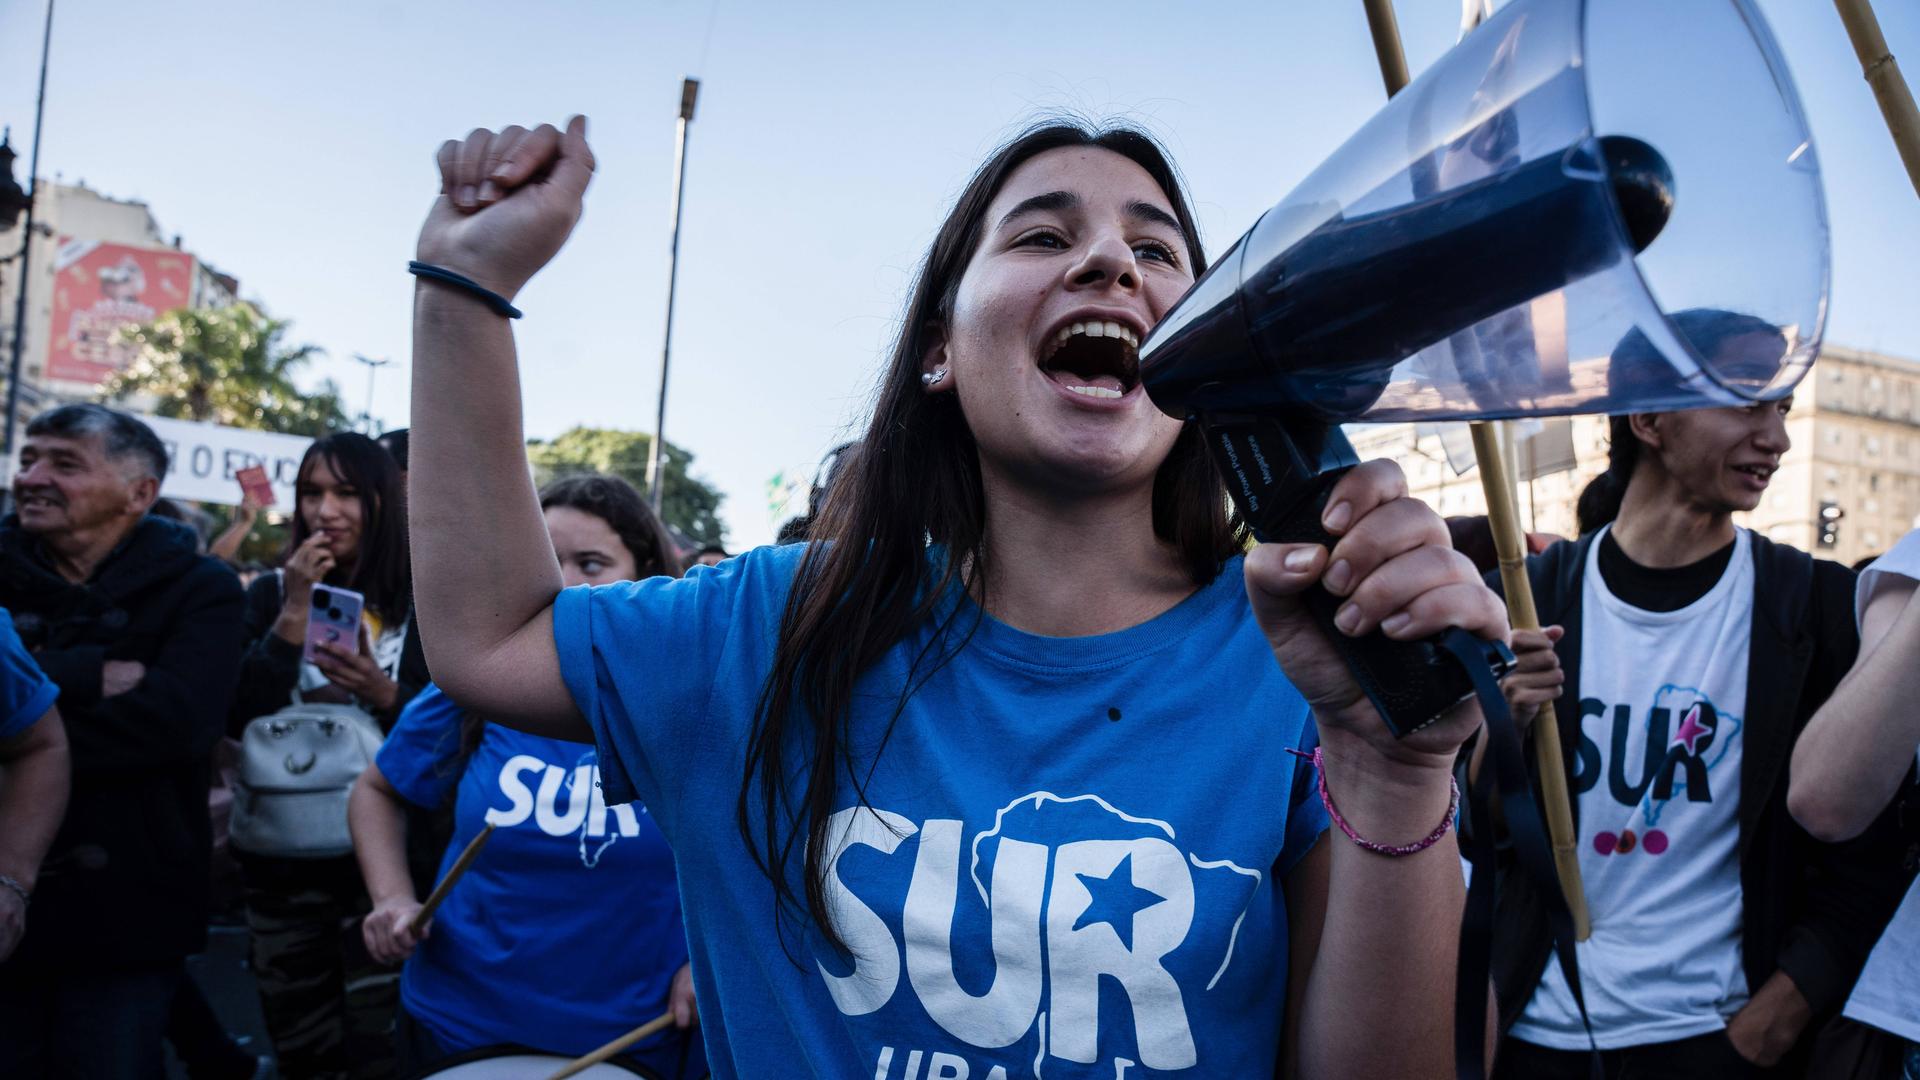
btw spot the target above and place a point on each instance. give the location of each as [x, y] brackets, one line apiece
[227, 366]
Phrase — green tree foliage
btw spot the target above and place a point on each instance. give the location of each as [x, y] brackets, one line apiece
[687, 504]
[229, 366]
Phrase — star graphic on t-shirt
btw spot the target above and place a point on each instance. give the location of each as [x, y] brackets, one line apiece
[1692, 730]
[1116, 898]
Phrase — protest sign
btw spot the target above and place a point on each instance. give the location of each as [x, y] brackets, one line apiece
[207, 459]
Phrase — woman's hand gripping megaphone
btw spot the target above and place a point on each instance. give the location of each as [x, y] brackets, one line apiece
[1396, 571]
[508, 201]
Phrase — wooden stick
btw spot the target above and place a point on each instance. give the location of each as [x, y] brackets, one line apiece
[440, 891]
[579, 1065]
[1882, 73]
[1508, 541]
[1386, 45]
[1511, 547]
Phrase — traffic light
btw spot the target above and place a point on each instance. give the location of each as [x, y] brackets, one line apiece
[1830, 515]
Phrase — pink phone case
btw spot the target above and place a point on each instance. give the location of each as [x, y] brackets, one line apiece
[333, 618]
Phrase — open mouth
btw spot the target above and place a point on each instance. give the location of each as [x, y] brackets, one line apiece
[35, 502]
[1762, 473]
[1094, 358]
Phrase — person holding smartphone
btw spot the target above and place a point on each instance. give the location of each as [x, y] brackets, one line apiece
[349, 532]
[482, 973]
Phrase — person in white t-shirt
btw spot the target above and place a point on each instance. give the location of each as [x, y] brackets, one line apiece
[1691, 652]
[1855, 759]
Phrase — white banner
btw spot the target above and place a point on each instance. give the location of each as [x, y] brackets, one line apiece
[205, 458]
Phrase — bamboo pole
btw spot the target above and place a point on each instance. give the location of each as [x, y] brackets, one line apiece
[1882, 73]
[1509, 542]
[582, 1064]
[1386, 45]
[440, 891]
[1511, 547]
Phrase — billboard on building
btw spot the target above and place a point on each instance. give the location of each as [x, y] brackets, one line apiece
[98, 288]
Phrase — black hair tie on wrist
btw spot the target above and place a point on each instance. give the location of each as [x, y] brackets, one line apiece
[493, 300]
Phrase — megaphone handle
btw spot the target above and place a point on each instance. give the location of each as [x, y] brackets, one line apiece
[1280, 473]
[1411, 683]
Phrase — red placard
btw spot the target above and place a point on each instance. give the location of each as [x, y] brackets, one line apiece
[254, 482]
[99, 288]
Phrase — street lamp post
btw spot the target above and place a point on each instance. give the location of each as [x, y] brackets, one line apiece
[656, 477]
[26, 249]
[373, 368]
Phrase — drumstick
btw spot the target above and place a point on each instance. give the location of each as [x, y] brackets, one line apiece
[582, 1064]
[419, 920]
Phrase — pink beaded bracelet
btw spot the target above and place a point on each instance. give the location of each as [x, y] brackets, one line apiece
[1395, 850]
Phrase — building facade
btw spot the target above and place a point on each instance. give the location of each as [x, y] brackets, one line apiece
[97, 263]
[1855, 428]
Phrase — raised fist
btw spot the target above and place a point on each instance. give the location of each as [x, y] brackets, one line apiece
[508, 201]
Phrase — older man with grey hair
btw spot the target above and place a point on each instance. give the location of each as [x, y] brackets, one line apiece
[143, 637]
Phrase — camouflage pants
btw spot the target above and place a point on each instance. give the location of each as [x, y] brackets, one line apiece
[328, 1006]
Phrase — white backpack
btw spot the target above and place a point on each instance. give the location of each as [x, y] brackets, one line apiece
[297, 769]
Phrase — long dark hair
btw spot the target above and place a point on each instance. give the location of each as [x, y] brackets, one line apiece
[868, 581]
[1707, 330]
[1600, 500]
[383, 571]
[617, 503]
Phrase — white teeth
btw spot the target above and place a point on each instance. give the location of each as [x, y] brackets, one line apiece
[1103, 328]
[1097, 392]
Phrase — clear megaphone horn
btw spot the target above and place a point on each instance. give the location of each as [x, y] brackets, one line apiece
[1587, 206]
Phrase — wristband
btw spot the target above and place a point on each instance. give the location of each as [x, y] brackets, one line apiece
[1394, 850]
[499, 304]
[7, 880]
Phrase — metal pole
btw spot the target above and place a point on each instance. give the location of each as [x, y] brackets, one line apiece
[26, 250]
[1503, 519]
[656, 477]
[373, 366]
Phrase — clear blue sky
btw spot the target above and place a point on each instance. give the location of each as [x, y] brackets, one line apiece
[291, 144]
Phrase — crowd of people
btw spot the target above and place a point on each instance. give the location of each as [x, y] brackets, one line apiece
[131, 655]
[1021, 760]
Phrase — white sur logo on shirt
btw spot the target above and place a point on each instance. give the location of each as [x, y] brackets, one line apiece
[578, 788]
[1066, 913]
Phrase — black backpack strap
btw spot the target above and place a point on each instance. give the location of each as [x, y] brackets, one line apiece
[1560, 577]
[1789, 574]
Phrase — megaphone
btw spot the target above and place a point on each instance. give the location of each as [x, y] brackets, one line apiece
[1585, 207]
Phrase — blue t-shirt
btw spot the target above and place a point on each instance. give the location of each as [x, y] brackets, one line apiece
[565, 932]
[1073, 860]
[25, 691]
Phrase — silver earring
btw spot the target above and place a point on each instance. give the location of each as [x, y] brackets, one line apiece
[931, 378]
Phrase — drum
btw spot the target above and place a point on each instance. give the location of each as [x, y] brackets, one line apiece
[517, 1063]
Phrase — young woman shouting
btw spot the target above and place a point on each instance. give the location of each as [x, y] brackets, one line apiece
[991, 779]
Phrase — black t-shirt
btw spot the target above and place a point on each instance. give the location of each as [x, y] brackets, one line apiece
[1659, 588]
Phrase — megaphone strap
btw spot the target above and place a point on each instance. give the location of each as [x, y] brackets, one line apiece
[1504, 775]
